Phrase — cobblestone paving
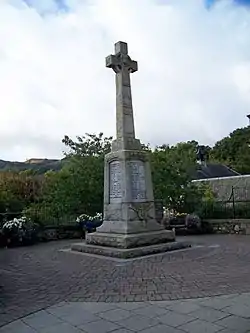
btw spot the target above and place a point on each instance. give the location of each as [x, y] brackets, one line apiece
[34, 278]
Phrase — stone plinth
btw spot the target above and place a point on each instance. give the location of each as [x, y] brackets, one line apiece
[129, 210]
[127, 241]
[129, 253]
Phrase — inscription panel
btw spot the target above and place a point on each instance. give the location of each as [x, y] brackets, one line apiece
[115, 181]
[138, 181]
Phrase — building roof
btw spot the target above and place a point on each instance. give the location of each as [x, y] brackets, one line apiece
[210, 170]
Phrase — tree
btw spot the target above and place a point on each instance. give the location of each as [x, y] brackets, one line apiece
[234, 150]
[88, 145]
[17, 191]
[86, 167]
[172, 181]
[78, 187]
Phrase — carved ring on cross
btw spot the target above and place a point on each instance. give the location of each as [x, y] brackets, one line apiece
[123, 61]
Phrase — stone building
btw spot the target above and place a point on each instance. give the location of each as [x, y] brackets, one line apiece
[226, 184]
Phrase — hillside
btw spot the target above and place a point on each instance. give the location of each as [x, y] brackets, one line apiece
[40, 166]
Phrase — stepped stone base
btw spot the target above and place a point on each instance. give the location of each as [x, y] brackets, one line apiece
[125, 246]
[126, 241]
[131, 252]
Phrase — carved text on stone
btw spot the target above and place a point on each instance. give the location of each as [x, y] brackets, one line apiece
[138, 182]
[115, 181]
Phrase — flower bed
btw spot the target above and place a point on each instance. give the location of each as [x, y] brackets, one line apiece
[183, 223]
[89, 223]
[22, 231]
[19, 231]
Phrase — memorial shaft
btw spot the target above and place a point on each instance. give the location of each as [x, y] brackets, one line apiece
[124, 108]
[122, 65]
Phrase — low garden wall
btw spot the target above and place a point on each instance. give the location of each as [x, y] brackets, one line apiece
[230, 226]
[46, 234]
[208, 226]
[49, 233]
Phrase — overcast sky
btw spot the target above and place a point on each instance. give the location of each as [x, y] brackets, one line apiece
[193, 80]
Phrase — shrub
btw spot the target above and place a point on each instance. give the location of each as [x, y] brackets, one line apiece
[19, 231]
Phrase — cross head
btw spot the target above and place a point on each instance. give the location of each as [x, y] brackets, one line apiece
[121, 60]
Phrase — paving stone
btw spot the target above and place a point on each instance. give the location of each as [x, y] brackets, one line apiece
[17, 327]
[238, 309]
[73, 313]
[58, 304]
[115, 315]
[79, 318]
[242, 299]
[175, 319]
[161, 329]
[100, 326]
[95, 308]
[217, 303]
[61, 328]
[131, 305]
[198, 326]
[162, 304]
[138, 323]
[231, 296]
[184, 307]
[210, 314]
[122, 330]
[241, 325]
[41, 319]
[151, 311]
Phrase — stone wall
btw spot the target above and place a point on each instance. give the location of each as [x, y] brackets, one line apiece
[222, 187]
[230, 226]
[49, 233]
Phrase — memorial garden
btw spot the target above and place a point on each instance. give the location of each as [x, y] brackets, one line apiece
[59, 197]
[118, 176]
[125, 194]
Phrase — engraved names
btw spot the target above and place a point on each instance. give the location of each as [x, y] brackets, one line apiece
[115, 181]
[138, 182]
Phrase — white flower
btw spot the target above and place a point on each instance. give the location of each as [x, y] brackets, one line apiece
[98, 216]
[82, 218]
[16, 223]
[85, 217]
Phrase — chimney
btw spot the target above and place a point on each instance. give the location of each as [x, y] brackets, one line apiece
[248, 116]
[201, 155]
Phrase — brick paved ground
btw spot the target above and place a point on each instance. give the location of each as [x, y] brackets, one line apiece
[36, 277]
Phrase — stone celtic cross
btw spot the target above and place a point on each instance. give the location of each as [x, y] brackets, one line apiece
[128, 203]
[122, 65]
